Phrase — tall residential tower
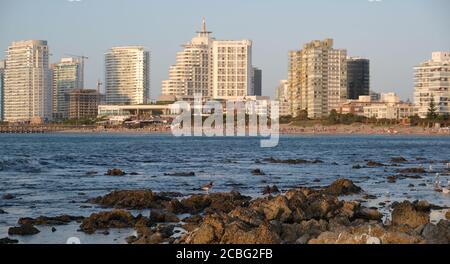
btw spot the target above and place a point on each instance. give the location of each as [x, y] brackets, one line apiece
[67, 76]
[192, 72]
[127, 75]
[318, 78]
[27, 90]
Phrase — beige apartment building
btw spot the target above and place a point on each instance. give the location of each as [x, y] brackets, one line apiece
[219, 69]
[192, 73]
[317, 78]
[432, 82]
[232, 69]
[282, 96]
[27, 89]
[127, 75]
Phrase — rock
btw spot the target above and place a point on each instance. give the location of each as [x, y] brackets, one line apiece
[3, 212]
[447, 215]
[105, 220]
[398, 160]
[342, 187]
[210, 231]
[369, 197]
[268, 190]
[216, 202]
[366, 234]
[239, 233]
[369, 214]
[357, 167]
[289, 161]
[49, 221]
[7, 240]
[412, 170]
[8, 196]
[131, 199]
[411, 185]
[115, 172]
[258, 172]
[437, 234]
[406, 213]
[392, 179]
[91, 173]
[159, 216]
[374, 164]
[131, 239]
[319, 206]
[247, 215]
[193, 219]
[180, 174]
[134, 174]
[276, 208]
[53, 229]
[23, 230]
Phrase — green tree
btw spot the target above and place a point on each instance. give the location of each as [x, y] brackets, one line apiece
[432, 115]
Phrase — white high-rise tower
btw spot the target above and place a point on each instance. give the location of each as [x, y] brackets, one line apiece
[127, 75]
[192, 72]
[27, 91]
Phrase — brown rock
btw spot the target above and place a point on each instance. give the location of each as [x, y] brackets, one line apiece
[276, 208]
[23, 230]
[49, 221]
[406, 213]
[159, 216]
[342, 187]
[131, 199]
[105, 220]
[447, 215]
[8, 196]
[412, 170]
[115, 172]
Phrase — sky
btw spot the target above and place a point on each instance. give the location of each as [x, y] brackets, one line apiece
[395, 35]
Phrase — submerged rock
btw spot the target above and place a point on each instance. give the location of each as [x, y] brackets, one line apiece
[48, 221]
[131, 199]
[181, 174]
[8, 196]
[23, 230]
[288, 161]
[258, 172]
[268, 190]
[375, 164]
[412, 170]
[7, 240]
[115, 172]
[3, 212]
[398, 159]
[159, 216]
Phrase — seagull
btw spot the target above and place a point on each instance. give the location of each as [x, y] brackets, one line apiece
[437, 183]
[208, 187]
[431, 168]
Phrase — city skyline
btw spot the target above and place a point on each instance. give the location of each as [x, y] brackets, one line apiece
[378, 40]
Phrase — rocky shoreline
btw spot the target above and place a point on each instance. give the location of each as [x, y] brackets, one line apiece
[297, 216]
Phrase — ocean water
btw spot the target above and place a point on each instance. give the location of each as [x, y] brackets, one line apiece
[51, 174]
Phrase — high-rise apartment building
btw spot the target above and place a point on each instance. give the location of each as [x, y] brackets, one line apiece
[257, 82]
[127, 75]
[2, 74]
[67, 76]
[232, 69]
[192, 72]
[358, 77]
[432, 83]
[27, 90]
[317, 78]
[213, 68]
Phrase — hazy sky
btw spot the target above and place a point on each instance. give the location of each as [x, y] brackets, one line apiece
[394, 34]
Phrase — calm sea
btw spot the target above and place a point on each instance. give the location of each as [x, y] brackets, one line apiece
[53, 174]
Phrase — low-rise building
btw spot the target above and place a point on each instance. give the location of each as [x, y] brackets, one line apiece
[83, 103]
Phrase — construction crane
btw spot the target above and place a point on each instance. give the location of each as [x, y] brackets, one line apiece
[82, 67]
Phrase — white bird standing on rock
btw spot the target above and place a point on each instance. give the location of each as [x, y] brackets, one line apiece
[431, 168]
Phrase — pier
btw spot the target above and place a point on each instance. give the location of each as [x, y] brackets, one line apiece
[39, 129]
